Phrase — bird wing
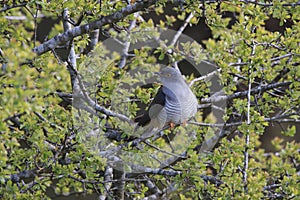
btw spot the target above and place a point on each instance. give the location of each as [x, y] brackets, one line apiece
[154, 108]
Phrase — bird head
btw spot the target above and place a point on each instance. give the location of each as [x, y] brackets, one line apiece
[169, 75]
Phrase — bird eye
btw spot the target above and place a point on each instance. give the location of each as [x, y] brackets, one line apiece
[168, 75]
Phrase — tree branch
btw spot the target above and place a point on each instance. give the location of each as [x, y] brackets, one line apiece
[108, 176]
[269, 4]
[126, 44]
[6, 8]
[71, 51]
[80, 30]
[181, 29]
[256, 90]
[118, 186]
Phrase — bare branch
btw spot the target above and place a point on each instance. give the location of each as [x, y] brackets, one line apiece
[152, 187]
[126, 45]
[71, 52]
[6, 8]
[80, 30]
[16, 17]
[41, 117]
[256, 90]
[205, 77]
[95, 107]
[67, 27]
[247, 138]
[181, 29]
[148, 170]
[281, 57]
[269, 4]
[108, 176]
[216, 125]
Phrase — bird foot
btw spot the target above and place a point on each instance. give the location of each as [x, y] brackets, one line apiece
[172, 125]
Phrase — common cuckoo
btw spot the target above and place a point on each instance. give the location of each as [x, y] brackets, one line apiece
[174, 102]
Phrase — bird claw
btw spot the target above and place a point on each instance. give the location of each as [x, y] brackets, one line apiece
[172, 125]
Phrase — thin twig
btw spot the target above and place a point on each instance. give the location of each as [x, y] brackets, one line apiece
[281, 57]
[126, 45]
[41, 117]
[163, 151]
[181, 29]
[247, 138]
[205, 77]
[269, 4]
[256, 90]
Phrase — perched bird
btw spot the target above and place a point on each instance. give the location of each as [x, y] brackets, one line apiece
[174, 102]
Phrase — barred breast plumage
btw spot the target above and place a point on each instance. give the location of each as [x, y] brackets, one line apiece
[174, 102]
